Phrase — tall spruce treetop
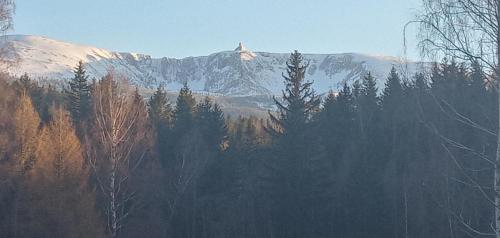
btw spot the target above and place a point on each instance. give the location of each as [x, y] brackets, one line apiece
[393, 92]
[184, 110]
[420, 82]
[392, 85]
[367, 105]
[79, 94]
[299, 99]
[296, 167]
[159, 108]
[478, 79]
[336, 121]
[369, 88]
[368, 98]
[210, 120]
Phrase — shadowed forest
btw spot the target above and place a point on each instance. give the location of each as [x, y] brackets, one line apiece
[96, 159]
[419, 157]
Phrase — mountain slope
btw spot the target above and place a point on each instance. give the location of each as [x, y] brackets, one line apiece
[240, 72]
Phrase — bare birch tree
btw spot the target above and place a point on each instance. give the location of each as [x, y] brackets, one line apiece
[467, 30]
[7, 56]
[119, 125]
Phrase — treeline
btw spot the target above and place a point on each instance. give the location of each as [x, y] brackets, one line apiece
[97, 160]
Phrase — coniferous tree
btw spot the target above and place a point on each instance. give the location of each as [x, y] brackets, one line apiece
[293, 153]
[397, 125]
[368, 106]
[26, 127]
[184, 111]
[336, 122]
[367, 161]
[59, 184]
[336, 133]
[79, 94]
[27, 123]
[38, 95]
[392, 92]
[211, 122]
[159, 108]
[160, 114]
[299, 100]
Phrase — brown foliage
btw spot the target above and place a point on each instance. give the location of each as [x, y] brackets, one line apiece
[27, 124]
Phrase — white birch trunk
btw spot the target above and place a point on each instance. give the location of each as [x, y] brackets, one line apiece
[496, 182]
[112, 205]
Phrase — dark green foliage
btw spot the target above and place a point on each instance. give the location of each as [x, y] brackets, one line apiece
[78, 94]
[405, 161]
[295, 174]
[43, 96]
[160, 114]
[299, 100]
[184, 112]
[159, 108]
[211, 123]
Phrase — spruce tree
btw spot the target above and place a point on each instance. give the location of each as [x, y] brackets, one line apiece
[392, 92]
[79, 94]
[477, 82]
[210, 120]
[368, 107]
[336, 121]
[159, 108]
[160, 114]
[299, 100]
[293, 180]
[184, 112]
[367, 160]
[24, 83]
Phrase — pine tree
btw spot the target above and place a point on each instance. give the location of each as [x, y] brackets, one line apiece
[392, 103]
[184, 112]
[336, 122]
[159, 108]
[368, 107]
[211, 122]
[38, 95]
[393, 92]
[79, 94]
[160, 114]
[478, 85]
[299, 100]
[294, 180]
[367, 160]
[25, 84]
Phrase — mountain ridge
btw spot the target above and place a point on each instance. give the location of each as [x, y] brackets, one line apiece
[240, 72]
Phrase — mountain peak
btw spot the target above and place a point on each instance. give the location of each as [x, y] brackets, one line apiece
[241, 47]
[245, 53]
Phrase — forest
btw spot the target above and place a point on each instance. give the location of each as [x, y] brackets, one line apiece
[96, 159]
[418, 157]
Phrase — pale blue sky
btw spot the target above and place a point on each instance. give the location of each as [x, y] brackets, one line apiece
[180, 28]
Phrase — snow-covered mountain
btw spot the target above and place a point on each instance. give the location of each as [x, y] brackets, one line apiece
[239, 72]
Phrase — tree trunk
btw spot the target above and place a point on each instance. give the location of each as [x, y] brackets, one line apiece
[497, 172]
[112, 201]
[497, 159]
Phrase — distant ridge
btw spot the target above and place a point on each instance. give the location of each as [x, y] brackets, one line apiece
[240, 72]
